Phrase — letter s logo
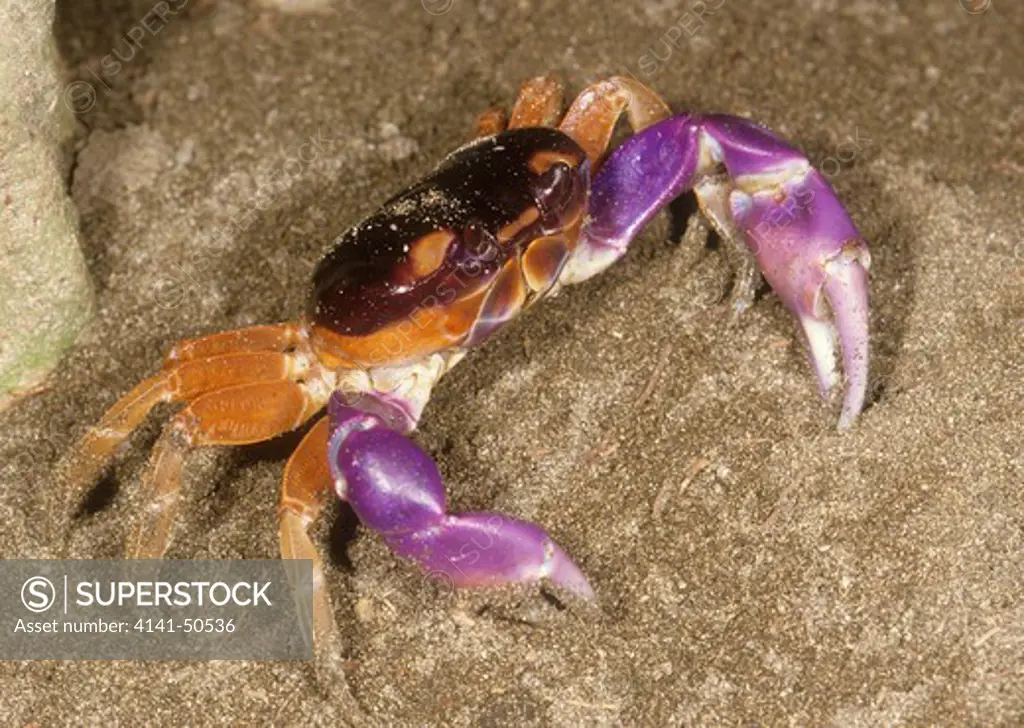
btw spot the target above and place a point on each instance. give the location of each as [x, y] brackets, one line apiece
[38, 594]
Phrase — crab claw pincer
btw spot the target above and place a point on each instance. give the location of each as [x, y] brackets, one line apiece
[395, 489]
[487, 549]
[812, 255]
[764, 196]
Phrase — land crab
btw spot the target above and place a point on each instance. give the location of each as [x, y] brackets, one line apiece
[533, 204]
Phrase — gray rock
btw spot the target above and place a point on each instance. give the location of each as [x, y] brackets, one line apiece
[45, 294]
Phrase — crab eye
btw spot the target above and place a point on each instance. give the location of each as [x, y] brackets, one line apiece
[555, 188]
[480, 245]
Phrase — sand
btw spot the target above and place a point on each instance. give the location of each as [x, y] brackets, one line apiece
[753, 564]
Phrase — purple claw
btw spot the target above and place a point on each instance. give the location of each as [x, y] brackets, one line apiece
[487, 549]
[770, 202]
[846, 288]
[812, 255]
[395, 489]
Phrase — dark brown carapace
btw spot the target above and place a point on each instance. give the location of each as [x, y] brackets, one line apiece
[451, 259]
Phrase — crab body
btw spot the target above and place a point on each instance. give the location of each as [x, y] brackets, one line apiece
[447, 262]
[439, 268]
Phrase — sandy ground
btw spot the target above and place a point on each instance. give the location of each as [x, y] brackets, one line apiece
[753, 565]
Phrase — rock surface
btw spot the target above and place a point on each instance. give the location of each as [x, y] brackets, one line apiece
[45, 294]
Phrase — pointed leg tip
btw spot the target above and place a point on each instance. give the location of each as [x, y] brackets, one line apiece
[566, 574]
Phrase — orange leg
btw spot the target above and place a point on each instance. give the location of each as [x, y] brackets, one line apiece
[280, 337]
[237, 415]
[193, 378]
[306, 486]
[489, 123]
[539, 103]
[591, 119]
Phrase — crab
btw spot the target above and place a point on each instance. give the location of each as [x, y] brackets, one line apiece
[534, 203]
